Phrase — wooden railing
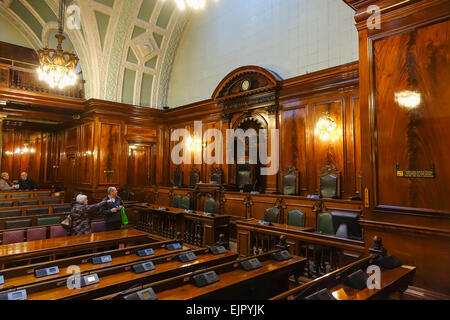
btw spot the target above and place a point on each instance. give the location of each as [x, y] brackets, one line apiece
[23, 76]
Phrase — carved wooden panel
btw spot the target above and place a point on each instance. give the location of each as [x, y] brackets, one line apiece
[417, 66]
[140, 166]
[109, 153]
[327, 152]
[86, 153]
[293, 143]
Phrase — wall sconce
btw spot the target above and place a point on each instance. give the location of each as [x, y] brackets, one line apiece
[326, 129]
[408, 99]
[23, 150]
[194, 144]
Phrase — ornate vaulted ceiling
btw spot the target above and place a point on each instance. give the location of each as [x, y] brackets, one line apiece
[126, 47]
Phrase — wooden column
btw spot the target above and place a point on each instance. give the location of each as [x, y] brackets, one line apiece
[2, 116]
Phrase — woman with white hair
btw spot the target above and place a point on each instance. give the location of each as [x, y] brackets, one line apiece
[5, 184]
[81, 215]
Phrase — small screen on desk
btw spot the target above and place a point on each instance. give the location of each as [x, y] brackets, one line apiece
[91, 279]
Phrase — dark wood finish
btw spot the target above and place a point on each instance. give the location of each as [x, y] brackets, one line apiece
[324, 253]
[234, 283]
[114, 279]
[196, 228]
[393, 280]
[409, 52]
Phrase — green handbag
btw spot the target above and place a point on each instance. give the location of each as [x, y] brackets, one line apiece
[124, 216]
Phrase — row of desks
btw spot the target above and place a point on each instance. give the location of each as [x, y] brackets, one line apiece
[171, 277]
[34, 249]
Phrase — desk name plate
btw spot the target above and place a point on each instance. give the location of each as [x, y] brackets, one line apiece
[423, 174]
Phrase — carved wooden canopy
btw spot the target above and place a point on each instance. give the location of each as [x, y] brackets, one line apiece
[247, 86]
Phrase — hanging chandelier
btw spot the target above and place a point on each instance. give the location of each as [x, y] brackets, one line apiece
[57, 67]
[193, 4]
[326, 129]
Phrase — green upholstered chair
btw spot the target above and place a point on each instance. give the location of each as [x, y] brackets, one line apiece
[272, 214]
[325, 223]
[28, 202]
[211, 206]
[176, 202]
[19, 195]
[42, 194]
[16, 224]
[4, 204]
[52, 201]
[10, 213]
[296, 218]
[289, 180]
[216, 175]
[194, 177]
[178, 177]
[62, 209]
[48, 221]
[329, 182]
[185, 203]
[243, 175]
[37, 211]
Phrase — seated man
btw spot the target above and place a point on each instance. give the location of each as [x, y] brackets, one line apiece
[26, 183]
[5, 184]
[111, 211]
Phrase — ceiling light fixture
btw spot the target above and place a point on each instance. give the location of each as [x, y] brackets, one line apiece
[57, 67]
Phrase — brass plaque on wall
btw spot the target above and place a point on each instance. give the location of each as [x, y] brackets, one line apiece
[423, 174]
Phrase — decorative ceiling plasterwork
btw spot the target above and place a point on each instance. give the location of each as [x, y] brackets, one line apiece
[104, 62]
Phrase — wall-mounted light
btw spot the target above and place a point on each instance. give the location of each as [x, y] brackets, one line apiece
[327, 129]
[24, 150]
[194, 144]
[408, 99]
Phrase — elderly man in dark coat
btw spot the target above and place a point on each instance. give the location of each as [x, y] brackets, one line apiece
[81, 215]
[111, 211]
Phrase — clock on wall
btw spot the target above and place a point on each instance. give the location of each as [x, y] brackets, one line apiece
[245, 85]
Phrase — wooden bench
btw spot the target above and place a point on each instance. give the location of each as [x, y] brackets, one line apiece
[29, 194]
[31, 210]
[6, 203]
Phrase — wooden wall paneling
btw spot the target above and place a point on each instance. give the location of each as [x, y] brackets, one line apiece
[293, 142]
[86, 153]
[272, 120]
[409, 52]
[327, 152]
[109, 153]
[234, 204]
[357, 145]
[206, 168]
[8, 151]
[419, 135]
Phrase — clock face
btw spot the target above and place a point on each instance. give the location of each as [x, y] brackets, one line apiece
[245, 85]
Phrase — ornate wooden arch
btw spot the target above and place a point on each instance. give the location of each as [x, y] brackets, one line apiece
[263, 88]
